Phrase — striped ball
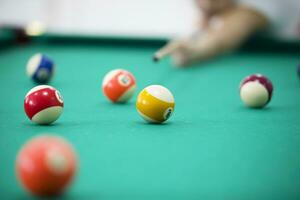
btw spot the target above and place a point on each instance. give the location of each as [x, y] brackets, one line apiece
[118, 85]
[43, 104]
[256, 91]
[40, 68]
[155, 104]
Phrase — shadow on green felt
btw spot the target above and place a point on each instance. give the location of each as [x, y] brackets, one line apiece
[61, 197]
[31, 124]
[110, 104]
[265, 109]
[144, 123]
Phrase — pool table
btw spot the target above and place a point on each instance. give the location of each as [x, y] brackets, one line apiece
[212, 147]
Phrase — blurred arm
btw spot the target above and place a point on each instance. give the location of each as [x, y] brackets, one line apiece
[225, 33]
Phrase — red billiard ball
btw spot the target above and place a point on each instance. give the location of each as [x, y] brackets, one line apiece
[256, 91]
[118, 85]
[43, 104]
[46, 165]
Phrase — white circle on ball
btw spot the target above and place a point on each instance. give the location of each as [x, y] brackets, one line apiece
[168, 112]
[43, 74]
[58, 96]
[57, 162]
[124, 80]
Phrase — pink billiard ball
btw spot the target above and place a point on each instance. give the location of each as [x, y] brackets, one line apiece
[256, 91]
[43, 104]
[118, 85]
[46, 165]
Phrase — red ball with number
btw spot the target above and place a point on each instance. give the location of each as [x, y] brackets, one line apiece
[118, 85]
[46, 165]
[43, 104]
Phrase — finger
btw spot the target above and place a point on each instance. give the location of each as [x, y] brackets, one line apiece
[180, 58]
[167, 50]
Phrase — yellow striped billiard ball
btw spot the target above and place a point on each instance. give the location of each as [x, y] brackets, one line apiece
[155, 104]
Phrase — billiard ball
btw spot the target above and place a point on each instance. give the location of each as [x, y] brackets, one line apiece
[118, 85]
[298, 71]
[35, 28]
[155, 104]
[43, 104]
[256, 91]
[40, 68]
[46, 165]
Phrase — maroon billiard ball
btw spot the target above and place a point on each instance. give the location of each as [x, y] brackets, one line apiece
[43, 104]
[256, 91]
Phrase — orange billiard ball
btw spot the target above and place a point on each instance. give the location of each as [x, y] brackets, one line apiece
[46, 165]
[118, 85]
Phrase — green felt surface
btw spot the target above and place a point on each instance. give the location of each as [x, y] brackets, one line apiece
[211, 148]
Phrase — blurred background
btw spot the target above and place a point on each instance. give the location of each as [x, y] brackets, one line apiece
[133, 18]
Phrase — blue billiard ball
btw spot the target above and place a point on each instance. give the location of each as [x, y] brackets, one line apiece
[40, 68]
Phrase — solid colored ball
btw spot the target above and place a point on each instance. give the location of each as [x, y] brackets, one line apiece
[46, 165]
[43, 104]
[298, 71]
[118, 85]
[155, 104]
[40, 68]
[256, 91]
